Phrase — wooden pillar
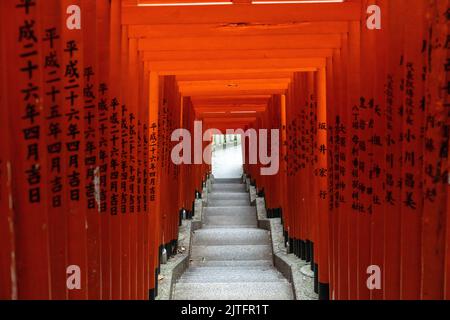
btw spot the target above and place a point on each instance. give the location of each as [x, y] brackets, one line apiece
[8, 289]
[113, 167]
[125, 141]
[313, 191]
[379, 40]
[148, 264]
[323, 193]
[353, 98]
[74, 140]
[411, 189]
[54, 133]
[182, 171]
[283, 187]
[395, 24]
[333, 163]
[154, 222]
[434, 281]
[142, 289]
[363, 109]
[101, 185]
[133, 89]
[90, 103]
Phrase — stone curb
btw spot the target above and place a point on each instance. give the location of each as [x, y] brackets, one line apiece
[297, 271]
[178, 264]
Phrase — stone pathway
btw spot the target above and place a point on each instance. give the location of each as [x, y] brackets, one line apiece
[227, 163]
[231, 259]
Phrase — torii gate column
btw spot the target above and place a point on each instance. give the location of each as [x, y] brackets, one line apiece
[322, 176]
[155, 219]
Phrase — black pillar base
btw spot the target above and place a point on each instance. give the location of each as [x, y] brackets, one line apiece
[168, 247]
[261, 193]
[308, 251]
[303, 249]
[174, 245]
[316, 278]
[160, 258]
[286, 237]
[276, 213]
[180, 217]
[296, 247]
[156, 283]
[324, 291]
[312, 255]
[280, 215]
[291, 246]
[152, 294]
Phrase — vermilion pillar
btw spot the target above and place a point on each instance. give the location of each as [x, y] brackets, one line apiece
[435, 147]
[90, 103]
[322, 181]
[53, 129]
[23, 74]
[394, 20]
[113, 144]
[8, 290]
[353, 91]
[155, 223]
[102, 170]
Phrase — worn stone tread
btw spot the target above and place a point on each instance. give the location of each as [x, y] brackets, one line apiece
[231, 259]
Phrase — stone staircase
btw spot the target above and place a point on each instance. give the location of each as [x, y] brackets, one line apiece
[231, 259]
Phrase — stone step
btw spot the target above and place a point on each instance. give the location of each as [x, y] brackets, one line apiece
[231, 226]
[228, 203]
[231, 275]
[226, 236]
[229, 220]
[213, 211]
[227, 187]
[231, 252]
[232, 263]
[227, 181]
[230, 257]
[229, 196]
[244, 266]
[281, 290]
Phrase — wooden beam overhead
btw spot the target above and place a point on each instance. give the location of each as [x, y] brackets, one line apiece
[235, 54]
[192, 88]
[209, 71]
[271, 13]
[228, 108]
[228, 115]
[320, 41]
[235, 29]
[233, 82]
[231, 76]
[235, 92]
[225, 120]
[231, 99]
[216, 66]
[174, 1]
[231, 106]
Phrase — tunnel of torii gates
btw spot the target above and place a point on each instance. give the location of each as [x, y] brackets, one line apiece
[92, 90]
